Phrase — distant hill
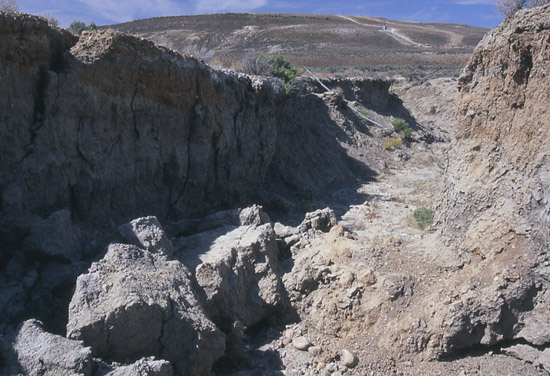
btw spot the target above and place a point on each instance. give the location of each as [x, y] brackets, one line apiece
[327, 43]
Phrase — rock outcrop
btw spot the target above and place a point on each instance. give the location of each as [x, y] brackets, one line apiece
[496, 203]
[237, 273]
[497, 193]
[113, 128]
[42, 353]
[105, 128]
[134, 303]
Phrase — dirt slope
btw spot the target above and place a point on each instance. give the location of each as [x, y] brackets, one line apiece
[319, 41]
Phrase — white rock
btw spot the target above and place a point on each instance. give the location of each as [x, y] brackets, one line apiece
[349, 359]
[301, 343]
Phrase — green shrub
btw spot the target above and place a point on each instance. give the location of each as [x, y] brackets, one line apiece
[282, 69]
[365, 113]
[402, 127]
[392, 143]
[424, 217]
[78, 27]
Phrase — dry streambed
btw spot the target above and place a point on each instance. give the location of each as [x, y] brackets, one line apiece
[370, 292]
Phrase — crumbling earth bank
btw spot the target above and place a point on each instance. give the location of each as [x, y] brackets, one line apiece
[118, 128]
[496, 200]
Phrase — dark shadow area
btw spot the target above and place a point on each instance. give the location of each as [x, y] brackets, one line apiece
[482, 350]
[250, 357]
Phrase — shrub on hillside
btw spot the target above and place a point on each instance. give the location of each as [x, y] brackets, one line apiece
[78, 27]
[392, 143]
[258, 65]
[276, 66]
[424, 217]
[402, 127]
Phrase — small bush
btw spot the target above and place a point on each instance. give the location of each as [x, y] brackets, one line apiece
[424, 217]
[392, 143]
[282, 69]
[402, 127]
[365, 113]
[78, 27]
[259, 65]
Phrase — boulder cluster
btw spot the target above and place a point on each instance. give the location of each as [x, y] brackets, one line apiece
[163, 307]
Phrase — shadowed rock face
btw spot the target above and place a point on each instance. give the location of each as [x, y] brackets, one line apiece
[498, 183]
[113, 128]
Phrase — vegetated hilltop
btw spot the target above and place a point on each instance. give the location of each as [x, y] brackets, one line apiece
[326, 42]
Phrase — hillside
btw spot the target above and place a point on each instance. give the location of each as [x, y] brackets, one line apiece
[329, 43]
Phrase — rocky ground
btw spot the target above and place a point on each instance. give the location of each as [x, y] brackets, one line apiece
[333, 276]
[357, 288]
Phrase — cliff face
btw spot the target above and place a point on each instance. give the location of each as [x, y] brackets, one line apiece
[498, 182]
[113, 127]
[117, 127]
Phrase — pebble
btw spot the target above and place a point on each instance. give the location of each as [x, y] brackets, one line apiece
[301, 343]
[331, 368]
[314, 350]
[349, 359]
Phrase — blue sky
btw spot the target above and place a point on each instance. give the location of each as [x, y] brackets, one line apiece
[102, 12]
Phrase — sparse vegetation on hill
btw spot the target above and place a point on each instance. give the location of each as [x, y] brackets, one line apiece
[328, 44]
[402, 127]
[509, 7]
[78, 27]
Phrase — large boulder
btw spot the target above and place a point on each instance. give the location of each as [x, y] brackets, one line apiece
[45, 354]
[134, 303]
[237, 273]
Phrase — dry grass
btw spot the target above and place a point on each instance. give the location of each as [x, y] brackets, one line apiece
[329, 44]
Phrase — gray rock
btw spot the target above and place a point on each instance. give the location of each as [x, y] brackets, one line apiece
[530, 354]
[283, 231]
[237, 273]
[56, 236]
[301, 343]
[397, 285]
[253, 216]
[321, 220]
[142, 367]
[349, 359]
[147, 233]
[536, 329]
[42, 353]
[134, 304]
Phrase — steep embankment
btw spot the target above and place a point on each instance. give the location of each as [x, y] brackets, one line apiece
[498, 188]
[496, 202]
[105, 128]
[114, 127]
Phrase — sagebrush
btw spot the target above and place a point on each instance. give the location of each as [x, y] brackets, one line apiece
[424, 217]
